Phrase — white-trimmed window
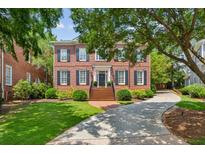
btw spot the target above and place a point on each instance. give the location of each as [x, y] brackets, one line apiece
[28, 77]
[8, 75]
[140, 57]
[63, 77]
[98, 57]
[82, 54]
[82, 77]
[140, 77]
[202, 50]
[63, 55]
[121, 77]
[121, 54]
[37, 80]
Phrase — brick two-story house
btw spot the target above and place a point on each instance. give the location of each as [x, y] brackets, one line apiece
[73, 66]
[11, 71]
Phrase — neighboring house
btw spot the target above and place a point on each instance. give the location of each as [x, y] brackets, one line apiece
[73, 66]
[191, 77]
[11, 71]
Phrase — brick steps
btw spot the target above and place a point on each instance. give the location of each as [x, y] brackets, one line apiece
[102, 94]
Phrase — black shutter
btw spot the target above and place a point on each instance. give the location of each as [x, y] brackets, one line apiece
[126, 77]
[145, 77]
[87, 77]
[58, 77]
[135, 77]
[77, 77]
[68, 77]
[116, 77]
[59, 55]
[77, 54]
[145, 58]
[68, 55]
[87, 55]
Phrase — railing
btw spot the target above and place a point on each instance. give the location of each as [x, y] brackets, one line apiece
[113, 89]
[90, 88]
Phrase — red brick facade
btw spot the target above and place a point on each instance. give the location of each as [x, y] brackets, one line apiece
[19, 70]
[73, 65]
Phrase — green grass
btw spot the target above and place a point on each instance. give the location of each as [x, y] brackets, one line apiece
[125, 102]
[199, 141]
[41, 122]
[191, 104]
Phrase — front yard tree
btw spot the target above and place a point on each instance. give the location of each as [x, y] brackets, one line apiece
[170, 31]
[24, 27]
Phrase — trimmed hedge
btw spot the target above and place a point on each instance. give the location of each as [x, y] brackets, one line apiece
[124, 95]
[51, 93]
[80, 95]
[194, 90]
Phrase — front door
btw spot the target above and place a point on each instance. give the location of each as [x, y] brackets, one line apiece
[102, 78]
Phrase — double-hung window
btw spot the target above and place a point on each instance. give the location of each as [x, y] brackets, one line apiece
[82, 77]
[28, 77]
[8, 75]
[63, 77]
[82, 54]
[63, 55]
[140, 77]
[121, 77]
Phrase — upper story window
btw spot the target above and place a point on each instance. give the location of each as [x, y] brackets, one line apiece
[82, 54]
[82, 77]
[98, 57]
[140, 56]
[8, 75]
[121, 77]
[121, 54]
[202, 50]
[63, 55]
[28, 77]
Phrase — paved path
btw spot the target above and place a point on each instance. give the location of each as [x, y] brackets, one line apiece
[104, 104]
[138, 123]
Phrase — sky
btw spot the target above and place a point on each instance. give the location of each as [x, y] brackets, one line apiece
[64, 30]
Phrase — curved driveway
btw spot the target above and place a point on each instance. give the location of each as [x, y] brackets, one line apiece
[138, 123]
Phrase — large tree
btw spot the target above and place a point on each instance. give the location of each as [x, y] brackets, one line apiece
[170, 31]
[24, 27]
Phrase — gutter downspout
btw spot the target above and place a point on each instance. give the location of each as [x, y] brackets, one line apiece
[2, 73]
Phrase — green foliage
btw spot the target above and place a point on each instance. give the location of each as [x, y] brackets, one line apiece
[26, 25]
[51, 93]
[95, 83]
[156, 28]
[109, 83]
[125, 102]
[142, 94]
[62, 95]
[38, 90]
[40, 123]
[194, 90]
[80, 95]
[70, 92]
[124, 95]
[22, 90]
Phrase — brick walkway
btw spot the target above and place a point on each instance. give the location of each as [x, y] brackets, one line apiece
[104, 104]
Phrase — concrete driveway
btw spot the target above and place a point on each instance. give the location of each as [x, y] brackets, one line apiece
[138, 123]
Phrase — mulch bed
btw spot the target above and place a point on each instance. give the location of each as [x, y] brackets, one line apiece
[188, 124]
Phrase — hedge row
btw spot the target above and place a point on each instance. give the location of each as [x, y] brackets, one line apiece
[194, 90]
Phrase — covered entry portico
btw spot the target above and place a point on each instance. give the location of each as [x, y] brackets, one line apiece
[102, 74]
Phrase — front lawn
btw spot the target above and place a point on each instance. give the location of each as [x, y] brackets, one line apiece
[190, 103]
[41, 122]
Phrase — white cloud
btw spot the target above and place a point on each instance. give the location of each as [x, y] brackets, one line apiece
[60, 25]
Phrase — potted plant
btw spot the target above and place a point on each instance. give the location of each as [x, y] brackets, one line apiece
[95, 83]
[109, 83]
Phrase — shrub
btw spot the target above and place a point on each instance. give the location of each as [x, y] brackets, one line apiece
[140, 94]
[109, 83]
[70, 92]
[194, 90]
[80, 95]
[124, 95]
[62, 95]
[153, 88]
[51, 93]
[95, 83]
[22, 90]
[149, 93]
[38, 90]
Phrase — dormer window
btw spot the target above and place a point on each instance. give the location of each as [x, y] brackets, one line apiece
[120, 54]
[98, 57]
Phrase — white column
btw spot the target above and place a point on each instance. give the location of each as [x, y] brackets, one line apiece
[94, 75]
[109, 74]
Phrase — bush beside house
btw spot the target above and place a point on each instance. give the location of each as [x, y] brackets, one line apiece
[80, 95]
[194, 90]
[124, 95]
[22, 90]
[51, 93]
[142, 94]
